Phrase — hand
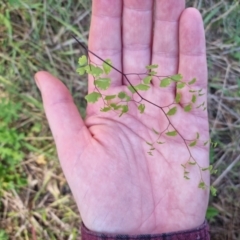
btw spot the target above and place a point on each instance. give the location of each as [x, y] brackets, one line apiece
[117, 186]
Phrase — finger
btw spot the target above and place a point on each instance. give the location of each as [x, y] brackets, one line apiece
[166, 40]
[105, 36]
[192, 63]
[137, 29]
[166, 44]
[65, 122]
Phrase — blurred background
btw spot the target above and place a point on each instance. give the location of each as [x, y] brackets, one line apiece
[35, 200]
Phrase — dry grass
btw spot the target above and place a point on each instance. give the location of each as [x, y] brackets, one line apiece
[37, 36]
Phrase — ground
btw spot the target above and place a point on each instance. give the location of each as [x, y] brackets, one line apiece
[36, 35]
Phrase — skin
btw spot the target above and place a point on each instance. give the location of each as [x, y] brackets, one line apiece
[117, 186]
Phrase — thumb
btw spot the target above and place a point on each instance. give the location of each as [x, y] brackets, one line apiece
[68, 129]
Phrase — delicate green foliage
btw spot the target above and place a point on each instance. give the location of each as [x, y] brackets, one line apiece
[147, 79]
[122, 95]
[206, 143]
[107, 68]
[93, 97]
[192, 163]
[102, 83]
[178, 97]
[106, 109]
[150, 144]
[201, 94]
[81, 70]
[213, 191]
[198, 135]
[211, 212]
[152, 73]
[156, 132]
[152, 66]
[177, 77]
[82, 61]
[142, 87]
[95, 71]
[165, 82]
[172, 111]
[180, 85]
[192, 81]
[141, 108]
[171, 134]
[202, 185]
[131, 89]
[188, 108]
[194, 98]
[192, 144]
[124, 109]
[109, 97]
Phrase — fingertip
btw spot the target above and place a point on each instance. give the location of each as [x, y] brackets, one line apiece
[192, 35]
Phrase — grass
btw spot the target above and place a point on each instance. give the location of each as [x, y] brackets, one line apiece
[35, 35]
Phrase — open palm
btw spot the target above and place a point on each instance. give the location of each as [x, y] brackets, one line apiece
[118, 186]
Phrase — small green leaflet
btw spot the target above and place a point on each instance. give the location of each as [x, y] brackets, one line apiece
[192, 144]
[198, 135]
[201, 94]
[171, 134]
[131, 89]
[205, 143]
[172, 111]
[201, 185]
[82, 61]
[186, 177]
[156, 132]
[151, 66]
[177, 77]
[178, 98]
[105, 109]
[124, 109]
[110, 97]
[107, 69]
[93, 97]
[165, 82]
[192, 81]
[141, 108]
[81, 71]
[180, 85]
[147, 80]
[95, 71]
[122, 95]
[102, 83]
[160, 142]
[142, 87]
[152, 73]
[188, 108]
[150, 144]
[192, 163]
[194, 98]
[213, 190]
